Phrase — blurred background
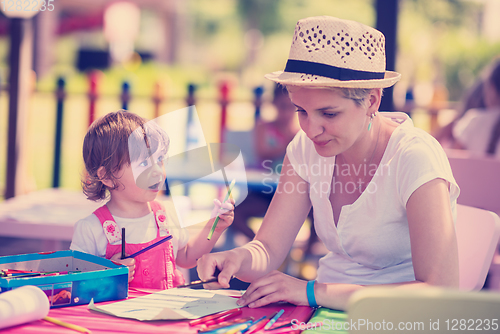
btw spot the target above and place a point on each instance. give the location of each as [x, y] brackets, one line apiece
[80, 59]
[166, 45]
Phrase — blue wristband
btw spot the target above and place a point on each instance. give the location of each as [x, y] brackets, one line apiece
[310, 294]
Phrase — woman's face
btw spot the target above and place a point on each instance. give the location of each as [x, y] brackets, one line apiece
[333, 122]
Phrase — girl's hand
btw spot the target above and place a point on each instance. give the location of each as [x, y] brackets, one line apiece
[275, 287]
[130, 263]
[225, 212]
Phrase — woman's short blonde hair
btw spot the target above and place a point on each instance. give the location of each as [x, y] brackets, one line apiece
[358, 95]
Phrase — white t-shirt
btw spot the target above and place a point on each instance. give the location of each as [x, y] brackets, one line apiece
[474, 129]
[371, 242]
[89, 237]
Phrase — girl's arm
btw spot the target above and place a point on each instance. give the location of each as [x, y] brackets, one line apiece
[199, 245]
[286, 214]
[434, 256]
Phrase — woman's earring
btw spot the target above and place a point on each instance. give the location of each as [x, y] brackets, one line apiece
[371, 120]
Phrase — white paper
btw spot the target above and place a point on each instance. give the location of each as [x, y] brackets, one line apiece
[171, 304]
[21, 305]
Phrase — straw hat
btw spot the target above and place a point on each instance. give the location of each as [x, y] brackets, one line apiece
[330, 52]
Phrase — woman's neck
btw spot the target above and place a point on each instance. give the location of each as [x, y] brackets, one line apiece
[367, 148]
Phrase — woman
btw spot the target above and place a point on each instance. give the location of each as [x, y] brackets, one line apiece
[479, 129]
[382, 191]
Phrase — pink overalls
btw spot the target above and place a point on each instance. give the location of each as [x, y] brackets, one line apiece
[155, 268]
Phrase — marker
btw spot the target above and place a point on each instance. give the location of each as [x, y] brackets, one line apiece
[223, 318]
[224, 324]
[238, 328]
[256, 325]
[123, 243]
[212, 316]
[67, 325]
[149, 247]
[229, 328]
[273, 319]
[217, 218]
[201, 282]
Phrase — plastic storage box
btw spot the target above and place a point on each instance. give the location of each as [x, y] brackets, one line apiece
[87, 277]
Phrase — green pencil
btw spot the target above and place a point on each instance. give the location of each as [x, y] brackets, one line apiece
[217, 218]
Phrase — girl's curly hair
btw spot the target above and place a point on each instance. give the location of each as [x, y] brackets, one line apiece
[114, 141]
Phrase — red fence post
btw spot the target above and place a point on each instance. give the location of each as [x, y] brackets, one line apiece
[93, 78]
[157, 98]
[224, 101]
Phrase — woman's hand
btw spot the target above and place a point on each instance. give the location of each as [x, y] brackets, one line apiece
[225, 211]
[130, 263]
[275, 287]
[228, 262]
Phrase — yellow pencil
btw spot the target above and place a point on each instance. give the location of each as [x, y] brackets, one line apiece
[67, 325]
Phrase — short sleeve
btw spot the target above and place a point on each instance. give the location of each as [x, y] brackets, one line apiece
[296, 152]
[423, 160]
[88, 237]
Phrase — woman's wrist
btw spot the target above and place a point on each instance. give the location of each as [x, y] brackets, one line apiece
[311, 294]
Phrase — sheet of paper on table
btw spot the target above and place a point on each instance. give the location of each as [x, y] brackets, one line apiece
[172, 304]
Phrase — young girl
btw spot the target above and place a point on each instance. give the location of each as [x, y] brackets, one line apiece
[124, 156]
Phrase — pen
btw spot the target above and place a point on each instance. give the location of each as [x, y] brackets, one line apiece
[273, 319]
[67, 325]
[123, 243]
[201, 282]
[217, 218]
[212, 316]
[149, 247]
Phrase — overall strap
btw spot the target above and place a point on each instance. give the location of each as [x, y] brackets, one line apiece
[109, 226]
[103, 214]
[160, 215]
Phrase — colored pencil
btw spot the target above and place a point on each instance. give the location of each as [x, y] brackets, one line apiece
[67, 325]
[123, 243]
[149, 247]
[201, 282]
[217, 218]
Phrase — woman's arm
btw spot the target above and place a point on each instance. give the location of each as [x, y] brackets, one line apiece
[286, 214]
[434, 256]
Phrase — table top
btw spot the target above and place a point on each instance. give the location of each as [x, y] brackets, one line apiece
[101, 323]
[45, 214]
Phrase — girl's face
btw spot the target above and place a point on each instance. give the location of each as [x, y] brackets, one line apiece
[333, 122]
[142, 179]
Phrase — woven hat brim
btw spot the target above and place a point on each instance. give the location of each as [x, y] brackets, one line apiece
[301, 79]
